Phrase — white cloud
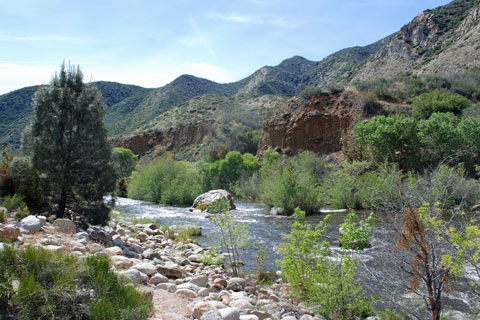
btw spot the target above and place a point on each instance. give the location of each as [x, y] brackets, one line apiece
[256, 19]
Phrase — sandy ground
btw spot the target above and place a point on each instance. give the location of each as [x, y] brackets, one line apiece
[166, 305]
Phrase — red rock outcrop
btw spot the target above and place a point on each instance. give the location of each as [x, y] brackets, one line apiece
[317, 124]
[179, 136]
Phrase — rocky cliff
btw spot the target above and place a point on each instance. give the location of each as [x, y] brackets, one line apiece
[179, 136]
[317, 124]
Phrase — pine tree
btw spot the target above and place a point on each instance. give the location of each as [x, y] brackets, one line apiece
[70, 146]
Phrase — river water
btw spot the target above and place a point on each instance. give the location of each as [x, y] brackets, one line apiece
[376, 271]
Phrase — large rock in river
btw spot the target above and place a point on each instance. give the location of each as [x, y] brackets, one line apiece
[213, 196]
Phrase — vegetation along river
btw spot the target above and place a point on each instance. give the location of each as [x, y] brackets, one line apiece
[375, 265]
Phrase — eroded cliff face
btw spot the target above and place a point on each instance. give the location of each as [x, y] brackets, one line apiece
[317, 124]
[179, 136]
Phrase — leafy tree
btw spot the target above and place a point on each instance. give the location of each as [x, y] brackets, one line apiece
[70, 145]
[124, 160]
[389, 139]
[439, 137]
[438, 101]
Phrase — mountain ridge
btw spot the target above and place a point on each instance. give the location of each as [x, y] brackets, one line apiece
[444, 39]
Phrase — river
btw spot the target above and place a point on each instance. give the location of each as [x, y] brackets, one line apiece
[376, 271]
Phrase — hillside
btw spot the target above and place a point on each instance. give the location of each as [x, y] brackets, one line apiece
[442, 40]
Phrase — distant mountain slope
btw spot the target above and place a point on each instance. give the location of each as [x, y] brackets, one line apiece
[445, 39]
[15, 112]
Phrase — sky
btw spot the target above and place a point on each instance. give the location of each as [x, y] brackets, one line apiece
[152, 42]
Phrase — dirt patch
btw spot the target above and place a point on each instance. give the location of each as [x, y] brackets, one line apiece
[165, 302]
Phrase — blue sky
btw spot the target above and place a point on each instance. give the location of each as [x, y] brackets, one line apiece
[150, 43]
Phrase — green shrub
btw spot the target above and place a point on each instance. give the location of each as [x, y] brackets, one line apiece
[15, 202]
[329, 287]
[166, 181]
[438, 101]
[392, 139]
[294, 182]
[57, 286]
[357, 236]
[310, 92]
[3, 216]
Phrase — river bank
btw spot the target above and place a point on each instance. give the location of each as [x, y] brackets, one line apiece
[171, 273]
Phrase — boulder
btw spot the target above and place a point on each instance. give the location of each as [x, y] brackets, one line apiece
[241, 303]
[54, 248]
[213, 196]
[201, 308]
[200, 280]
[158, 278]
[230, 313]
[171, 270]
[30, 223]
[65, 225]
[187, 293]
[114, 251]
[275, 211]
[9, 233]
[98, 234]
[211, 315]
[134, 275]
[146, 268]
[122, 262]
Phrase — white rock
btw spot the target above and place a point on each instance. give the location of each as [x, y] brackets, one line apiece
[65, 225]
[53, 248]
[146, 268]
[230, 313]
[134, 275]
[203, 292]
[30, 223]
[211, 315]
[187, 293]
[200, 280]
[158, 278]
[122, 262]
[200, 308]
[241, 304]
[114, 251]
[248, 317]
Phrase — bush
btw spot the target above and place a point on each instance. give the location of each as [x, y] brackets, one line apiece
[330, 288]
[357, 236]
[311, 91]
[294, 182]
[392, 139]
[166, 181]
[65, 287]
[15, 202]
[226, 173]
[370, 106]
[438, 101]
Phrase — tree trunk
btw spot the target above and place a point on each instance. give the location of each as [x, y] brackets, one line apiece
[62, 204]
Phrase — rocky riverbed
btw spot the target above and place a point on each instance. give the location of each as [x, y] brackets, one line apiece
[170, 272]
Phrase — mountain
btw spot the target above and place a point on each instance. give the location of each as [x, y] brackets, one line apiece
[443, 40]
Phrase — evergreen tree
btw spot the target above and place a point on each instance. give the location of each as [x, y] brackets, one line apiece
[70, 146]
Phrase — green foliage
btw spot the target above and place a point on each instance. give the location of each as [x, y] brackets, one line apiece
[124, 161]
[70, 146]
[438, 101]
[211, 257]
[329, 287]
[12, 203]
[357, 236]
[226, 173]
[3, 215]
[291, 183]
[311, 91]
[370, 106]
[389, 139]
[63, 287]
[263, 276]
[28, 183]
[166, 181]
[233, 235]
